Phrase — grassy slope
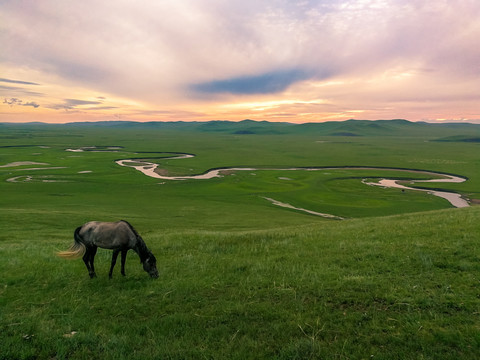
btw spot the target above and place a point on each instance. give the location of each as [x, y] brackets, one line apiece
[402, 287]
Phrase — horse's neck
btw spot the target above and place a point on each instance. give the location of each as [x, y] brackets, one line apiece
[141, 249]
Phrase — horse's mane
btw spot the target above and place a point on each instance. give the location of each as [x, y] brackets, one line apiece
[133, 229]
[143, 251]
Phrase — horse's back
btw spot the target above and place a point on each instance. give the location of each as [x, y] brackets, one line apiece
[108, 235]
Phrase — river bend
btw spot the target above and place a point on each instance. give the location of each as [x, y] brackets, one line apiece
[148, 168]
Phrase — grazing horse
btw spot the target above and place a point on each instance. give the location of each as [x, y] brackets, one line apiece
[118, 236]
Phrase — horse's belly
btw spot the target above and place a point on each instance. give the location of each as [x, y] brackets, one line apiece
[112, 243]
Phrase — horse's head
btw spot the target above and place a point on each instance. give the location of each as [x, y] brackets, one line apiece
[150, 266]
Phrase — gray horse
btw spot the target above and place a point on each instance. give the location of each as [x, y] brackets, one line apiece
[118, 236]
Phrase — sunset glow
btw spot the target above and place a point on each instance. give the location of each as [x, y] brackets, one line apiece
[199, 60]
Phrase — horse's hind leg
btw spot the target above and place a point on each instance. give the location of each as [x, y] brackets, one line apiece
[114, 261]
[93, 252]
[86, 260]
[124, 257]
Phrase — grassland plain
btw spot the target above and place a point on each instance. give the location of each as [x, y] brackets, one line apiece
[240, 278]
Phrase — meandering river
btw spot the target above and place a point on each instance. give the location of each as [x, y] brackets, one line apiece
[454, 198]
[148, 168]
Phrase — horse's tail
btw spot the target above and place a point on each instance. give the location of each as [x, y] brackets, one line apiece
[77, 249]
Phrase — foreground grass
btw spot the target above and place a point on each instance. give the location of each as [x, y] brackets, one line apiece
[402, 287]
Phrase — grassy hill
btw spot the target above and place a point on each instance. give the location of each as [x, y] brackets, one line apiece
[352, 127]
[240, 278]
[402, 287]
[459, 138]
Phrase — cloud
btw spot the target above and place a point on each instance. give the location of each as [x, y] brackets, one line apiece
[69, 104]
[267, 83]
[185, 54]
[101, 108]
[19, 102]
[12, 101]
[17, 91]
[17, 82]
[76, 102]
[31, 103]
[14, 91]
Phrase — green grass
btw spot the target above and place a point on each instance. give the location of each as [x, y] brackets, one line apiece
[123, 192]
[239, 277]
[402, 287]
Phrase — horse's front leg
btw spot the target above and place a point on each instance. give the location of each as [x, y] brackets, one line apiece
[114, 261]
[124, 257]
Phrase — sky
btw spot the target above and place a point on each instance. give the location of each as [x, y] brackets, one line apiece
[275, 60]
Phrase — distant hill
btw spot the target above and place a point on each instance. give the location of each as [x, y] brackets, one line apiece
[460, 138]
[246, 127]
[465, 132]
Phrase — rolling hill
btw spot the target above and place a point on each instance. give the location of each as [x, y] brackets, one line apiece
[396, 127]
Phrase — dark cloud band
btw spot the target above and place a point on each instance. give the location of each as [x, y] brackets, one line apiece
[10, 81]
[267, 83]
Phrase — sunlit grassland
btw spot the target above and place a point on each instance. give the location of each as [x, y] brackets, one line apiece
[239, 277]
